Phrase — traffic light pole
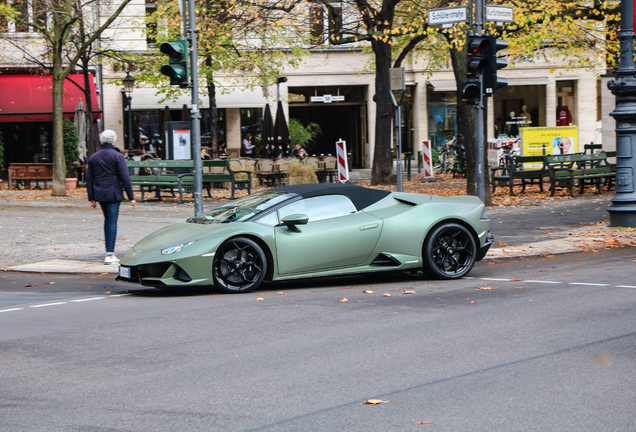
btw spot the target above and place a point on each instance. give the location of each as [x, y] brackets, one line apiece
[194, 115]
[479, 113]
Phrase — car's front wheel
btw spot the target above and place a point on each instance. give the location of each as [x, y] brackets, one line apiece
[239, 265]
[449, 252]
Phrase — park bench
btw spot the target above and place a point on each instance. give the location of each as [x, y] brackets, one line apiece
[505, 176]
[585, 169]
[162, 174]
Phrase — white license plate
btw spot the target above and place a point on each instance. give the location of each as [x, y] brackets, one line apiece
[124, 272]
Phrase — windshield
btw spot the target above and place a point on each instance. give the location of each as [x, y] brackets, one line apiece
[243, 208]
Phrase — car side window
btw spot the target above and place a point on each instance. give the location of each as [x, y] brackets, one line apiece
[319, 208]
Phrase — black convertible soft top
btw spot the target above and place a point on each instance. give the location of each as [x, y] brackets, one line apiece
[360, 196]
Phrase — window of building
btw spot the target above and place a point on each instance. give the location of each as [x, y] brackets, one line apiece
[251, 119]
[566, 103]
[321, 30]
[29, 11]
[151, 25]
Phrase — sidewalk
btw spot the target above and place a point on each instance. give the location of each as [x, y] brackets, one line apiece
[45, 234]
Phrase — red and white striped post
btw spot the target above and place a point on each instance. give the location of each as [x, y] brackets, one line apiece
[343, 166]
[427, 157]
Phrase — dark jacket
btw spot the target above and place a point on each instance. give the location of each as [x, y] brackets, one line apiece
[107, 176]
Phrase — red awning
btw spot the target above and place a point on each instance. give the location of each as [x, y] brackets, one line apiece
[29, 98]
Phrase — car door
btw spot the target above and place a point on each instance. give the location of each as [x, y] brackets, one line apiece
[336, 235]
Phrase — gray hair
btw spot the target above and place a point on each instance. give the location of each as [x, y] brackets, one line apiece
[108, 136]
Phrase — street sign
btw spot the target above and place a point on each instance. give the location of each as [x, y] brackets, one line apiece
[327, 98]
[447, 15]
[499, 13]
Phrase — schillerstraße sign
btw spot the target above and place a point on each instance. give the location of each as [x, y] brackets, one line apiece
[447, 15]
[499, 13]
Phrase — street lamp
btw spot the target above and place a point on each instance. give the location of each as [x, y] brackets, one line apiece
[279, 80]
[129, 85]
[622, 212]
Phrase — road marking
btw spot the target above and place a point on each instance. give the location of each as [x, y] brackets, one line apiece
[17, 309]
[538, 281]
[118, 295]
[625, 286]
[48, 304]
[495, 279]
[584, 283]
[87, 299]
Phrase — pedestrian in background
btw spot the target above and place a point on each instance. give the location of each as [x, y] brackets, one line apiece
[106, 179]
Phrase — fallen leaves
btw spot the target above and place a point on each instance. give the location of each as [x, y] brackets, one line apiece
[375, 401]
[343, 300]
[49, 283]
[367, 292]
[483, 288]
[426, 422]
[260, 299]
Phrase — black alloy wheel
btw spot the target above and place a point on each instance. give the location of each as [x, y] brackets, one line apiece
[449, 252]
[239, 266]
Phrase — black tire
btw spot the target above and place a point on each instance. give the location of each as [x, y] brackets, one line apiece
[239, 266]
[449, 252]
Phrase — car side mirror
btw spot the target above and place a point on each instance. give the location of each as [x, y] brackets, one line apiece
[295, 219]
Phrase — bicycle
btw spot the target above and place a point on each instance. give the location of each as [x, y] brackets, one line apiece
[459, 164]
[507, 156]
[446, 158]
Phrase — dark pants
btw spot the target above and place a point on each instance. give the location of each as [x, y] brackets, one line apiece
[111, 214]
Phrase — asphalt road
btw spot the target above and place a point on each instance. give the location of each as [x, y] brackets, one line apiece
[527, 344]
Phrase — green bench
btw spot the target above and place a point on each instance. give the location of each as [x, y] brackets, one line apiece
[505, 176]
[585, 169]
[160, 174]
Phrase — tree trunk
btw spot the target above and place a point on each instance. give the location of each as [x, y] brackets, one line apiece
[59, 163]
[382, 170]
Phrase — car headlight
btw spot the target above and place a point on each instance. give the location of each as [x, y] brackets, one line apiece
[175, 249]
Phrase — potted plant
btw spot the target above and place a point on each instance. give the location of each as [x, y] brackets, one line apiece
[2, 160]
[71, 153]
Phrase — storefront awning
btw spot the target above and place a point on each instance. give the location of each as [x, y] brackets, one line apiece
[450, 85]
[29, 98]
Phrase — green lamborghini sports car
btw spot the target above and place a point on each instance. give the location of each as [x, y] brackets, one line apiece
[312, 230]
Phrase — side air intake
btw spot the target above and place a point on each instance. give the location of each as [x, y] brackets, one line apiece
[384, 260]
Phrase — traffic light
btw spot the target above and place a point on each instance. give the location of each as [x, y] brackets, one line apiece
[470, 91]
[491, 82]
[477, 52]
[178, 54]
[476, 61]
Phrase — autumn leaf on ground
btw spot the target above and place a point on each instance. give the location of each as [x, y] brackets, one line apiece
[260, 299]
[287, 299]
[519, 287]
[474, 301]
[68, 255]
[281, 293]
[399, 307]
[516, 280]
[29, 285]
[483, 288]
[49, 283]
[387, 295]
[426, 422]
[88, 287]
[492, 263]
[269, 307]
[375, 401]
[408, 292]
[344, 300]
[367, 292]
[503, 244]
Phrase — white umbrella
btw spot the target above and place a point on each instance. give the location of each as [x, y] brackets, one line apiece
[80, 126]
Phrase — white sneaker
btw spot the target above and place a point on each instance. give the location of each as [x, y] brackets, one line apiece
[111, 259]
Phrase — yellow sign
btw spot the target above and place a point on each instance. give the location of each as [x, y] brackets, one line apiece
[539, 141]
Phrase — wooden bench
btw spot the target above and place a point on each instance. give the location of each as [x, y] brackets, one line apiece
[505, 176]
[585, 169]
[26, 172]
[161, 174]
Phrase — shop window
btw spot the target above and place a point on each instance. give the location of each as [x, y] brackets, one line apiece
[251, 119]
[442, 117]
[566, 103]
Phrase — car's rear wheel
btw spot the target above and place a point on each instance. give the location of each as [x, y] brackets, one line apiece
[449, 252]
[239, 265]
